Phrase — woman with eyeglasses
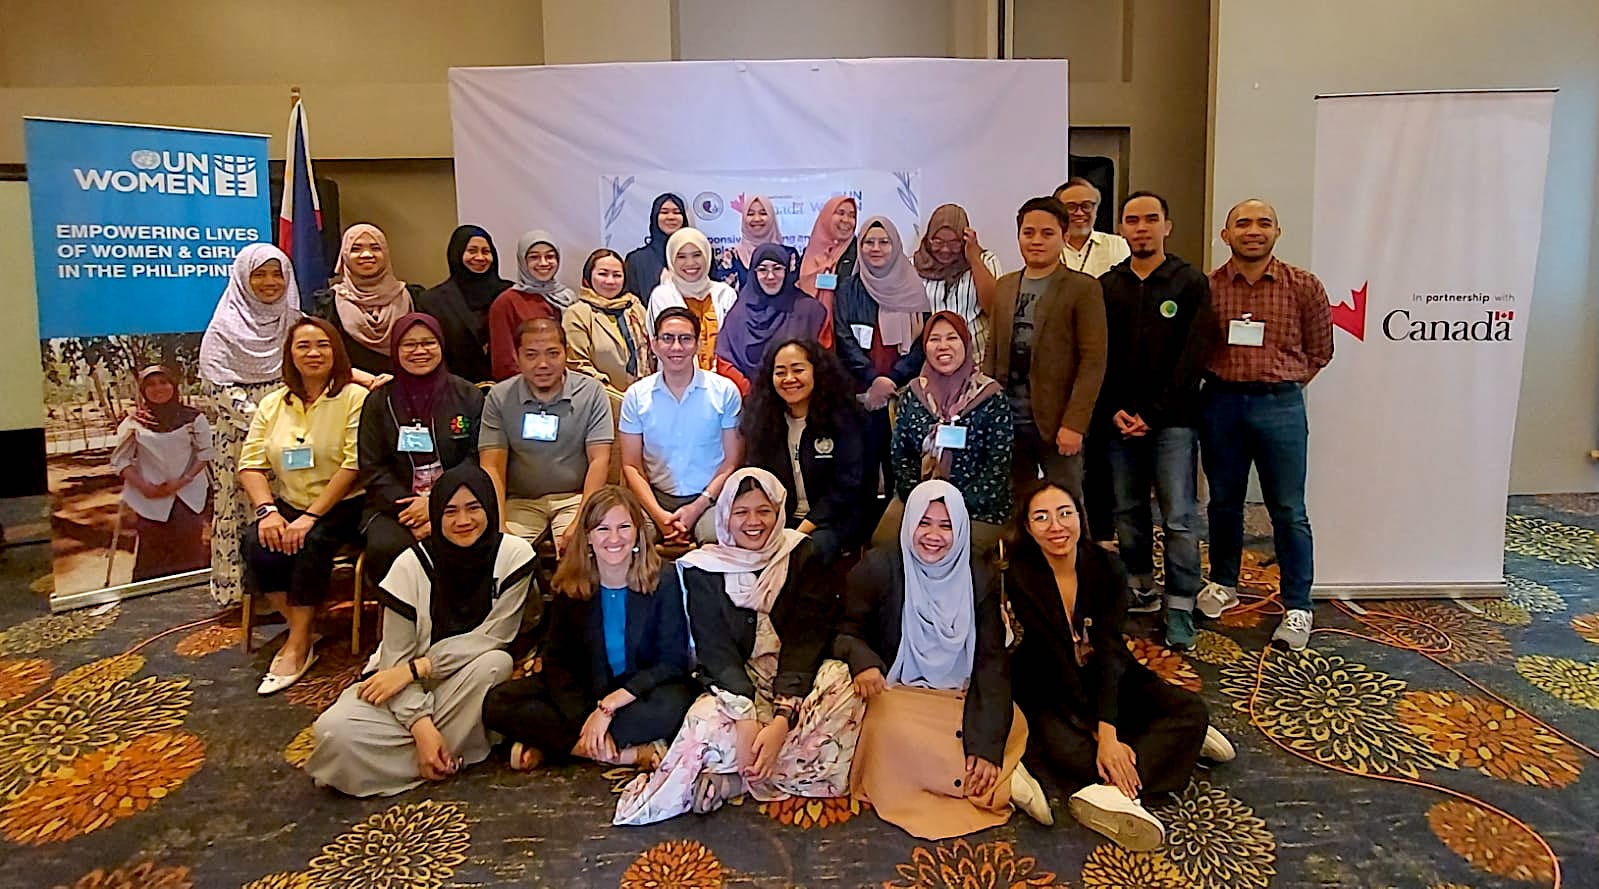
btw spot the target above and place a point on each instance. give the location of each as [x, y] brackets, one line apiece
[413, 430]
[958, 273]
[1107, 727]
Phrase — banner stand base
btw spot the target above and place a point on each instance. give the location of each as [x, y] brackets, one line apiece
[73, 601]
[1351, 592]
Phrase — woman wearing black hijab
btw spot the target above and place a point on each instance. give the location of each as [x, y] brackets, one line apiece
[452, 603]
[644, 265]
[461, 302]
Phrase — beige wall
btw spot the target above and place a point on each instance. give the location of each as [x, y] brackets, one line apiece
[21, 380]
[1274, 57]
[828, 29]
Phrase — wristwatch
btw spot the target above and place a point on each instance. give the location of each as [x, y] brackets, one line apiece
[264, 510]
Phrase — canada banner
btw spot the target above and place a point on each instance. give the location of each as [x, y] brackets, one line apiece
[1426, 226]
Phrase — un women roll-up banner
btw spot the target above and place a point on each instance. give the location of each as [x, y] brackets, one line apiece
[1427, 217]
[134, 232]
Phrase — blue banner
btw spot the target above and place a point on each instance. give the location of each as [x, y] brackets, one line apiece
[135, 227]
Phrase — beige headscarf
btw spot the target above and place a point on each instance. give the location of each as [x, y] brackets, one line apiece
[368, 305]
[695, 288]
[752, 578]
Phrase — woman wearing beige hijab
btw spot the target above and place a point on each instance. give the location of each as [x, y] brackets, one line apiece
[365, 298]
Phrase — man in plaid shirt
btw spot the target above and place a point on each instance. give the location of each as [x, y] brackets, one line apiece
[1275, 335]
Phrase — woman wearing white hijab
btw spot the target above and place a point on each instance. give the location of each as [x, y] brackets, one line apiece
[364, 299]
[777, 719]
[941, 746]
[241, 360]
[688, 284]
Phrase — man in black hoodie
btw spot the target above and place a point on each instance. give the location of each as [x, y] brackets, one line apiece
[1158, 323]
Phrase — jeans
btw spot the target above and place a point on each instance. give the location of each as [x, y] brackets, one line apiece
[1166, 458]
[1266, 427]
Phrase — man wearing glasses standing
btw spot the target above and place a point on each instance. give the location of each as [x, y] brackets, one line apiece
[1091, 252]
[679, 431]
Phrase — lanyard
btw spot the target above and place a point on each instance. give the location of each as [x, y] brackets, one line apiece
[1086, 253]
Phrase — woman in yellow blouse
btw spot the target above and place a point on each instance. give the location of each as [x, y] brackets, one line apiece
[304, 435]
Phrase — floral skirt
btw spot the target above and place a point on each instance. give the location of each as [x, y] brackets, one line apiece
[814, 761]
[230, 409]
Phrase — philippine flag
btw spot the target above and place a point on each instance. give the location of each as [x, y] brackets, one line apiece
[300, 220]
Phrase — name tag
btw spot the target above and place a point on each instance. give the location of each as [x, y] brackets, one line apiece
[950, 436]
[1246, 332]
[826, 281]
[540, 427]
[863, 334]
[298, 458]
[416, 440]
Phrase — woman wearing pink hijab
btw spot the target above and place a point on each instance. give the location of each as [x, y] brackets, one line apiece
[830, 253]
[364, 299]
[757, 226]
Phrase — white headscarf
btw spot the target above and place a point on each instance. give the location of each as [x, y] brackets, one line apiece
[938, 629]
[244, 341]
[695, 288]
[752, 578]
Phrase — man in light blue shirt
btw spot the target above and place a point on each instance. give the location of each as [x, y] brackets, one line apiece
[679, 432]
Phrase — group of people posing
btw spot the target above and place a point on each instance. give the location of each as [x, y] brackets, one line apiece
[855, 455]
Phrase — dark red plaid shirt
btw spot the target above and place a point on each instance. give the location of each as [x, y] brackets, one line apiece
[1293, 305]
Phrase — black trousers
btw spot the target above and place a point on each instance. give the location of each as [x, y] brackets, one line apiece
[524, 710]
[1165, 726]
[306, 574]
[1097, 497]
[386, 538]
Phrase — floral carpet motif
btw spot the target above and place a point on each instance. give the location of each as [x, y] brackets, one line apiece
[134, 752]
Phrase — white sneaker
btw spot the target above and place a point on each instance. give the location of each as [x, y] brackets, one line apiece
[1217, 748]
[1294, 631]
[272, 683]
[1106, 810]
[1214, 600]
[1029, 797]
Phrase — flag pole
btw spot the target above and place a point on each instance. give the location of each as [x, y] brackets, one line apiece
[294, 96]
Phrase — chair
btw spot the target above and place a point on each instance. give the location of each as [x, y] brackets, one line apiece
[351, 557]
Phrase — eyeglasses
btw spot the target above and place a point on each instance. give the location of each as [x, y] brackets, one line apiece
[676, 339]
[943, 244]
[1080, 206]
[419, 346]
[1042, 519]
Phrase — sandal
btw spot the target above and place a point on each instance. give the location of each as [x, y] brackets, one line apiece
[713, 789]
[525, 758]
[647, 757]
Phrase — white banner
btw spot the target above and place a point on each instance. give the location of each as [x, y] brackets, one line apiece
[716, 201]
[531, 143]
[1427, 212]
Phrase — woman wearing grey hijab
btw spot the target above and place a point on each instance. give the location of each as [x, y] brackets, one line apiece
[941, 746]
[536, 294]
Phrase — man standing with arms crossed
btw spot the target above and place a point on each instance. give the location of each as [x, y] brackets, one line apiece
[1274, 328]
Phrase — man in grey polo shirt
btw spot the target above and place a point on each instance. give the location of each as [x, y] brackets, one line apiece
[679, 431]
[545, 438]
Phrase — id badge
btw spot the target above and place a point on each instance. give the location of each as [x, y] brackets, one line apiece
[298, 457]
[416, 440]
[826, 281]
[863, 334]
[950, 436]
[423, 477]
[1246, 332]
[540, 427]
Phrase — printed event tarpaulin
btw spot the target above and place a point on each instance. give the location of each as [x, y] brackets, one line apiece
[134, 229]
[1427, 215]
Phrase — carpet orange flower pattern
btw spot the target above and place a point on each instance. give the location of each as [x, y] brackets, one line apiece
[1216, 841]
[209, 640]
[1569, 680]
[19, 678]
[327, 680]
[98, 675]
[1490, 842]
[1552, 541]
[407, 846]
[1433, 625]
[100, 788]
[1587, 626]
[1110, 866]
[53, 630]
[1165, 663]
[299, 749]
[967, 865]
[1476, 732]
[812, 813]
[675, 864]
[141, 875]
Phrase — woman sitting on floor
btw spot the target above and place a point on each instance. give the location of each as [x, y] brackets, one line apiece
[777, 720]
[1101, 721]
[615, 683]
[452, 603]
[923, 633]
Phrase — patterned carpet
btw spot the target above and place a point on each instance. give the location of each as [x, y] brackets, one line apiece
[1421, 744]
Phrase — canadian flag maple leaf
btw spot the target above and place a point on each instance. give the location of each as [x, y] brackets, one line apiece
[1352, 319]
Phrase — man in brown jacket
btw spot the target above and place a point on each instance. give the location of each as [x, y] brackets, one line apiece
[1046, 346]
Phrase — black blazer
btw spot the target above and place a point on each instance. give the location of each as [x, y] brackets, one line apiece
[372, 361]
[874, 605]
[834, 474]
[724, 634]
[576, 671]
[386, 472]
[853, 305]
[1045, 662]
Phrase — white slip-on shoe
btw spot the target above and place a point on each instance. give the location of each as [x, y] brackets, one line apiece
[1028, 796]
[1217, 748]
[272, 683]
[1107, 811]
[1215, 599]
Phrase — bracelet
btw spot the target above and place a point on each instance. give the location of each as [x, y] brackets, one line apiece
[605, 708]
[264, 510]
[788, 713]
[707, 496]
[414, 674]
[314, 515]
